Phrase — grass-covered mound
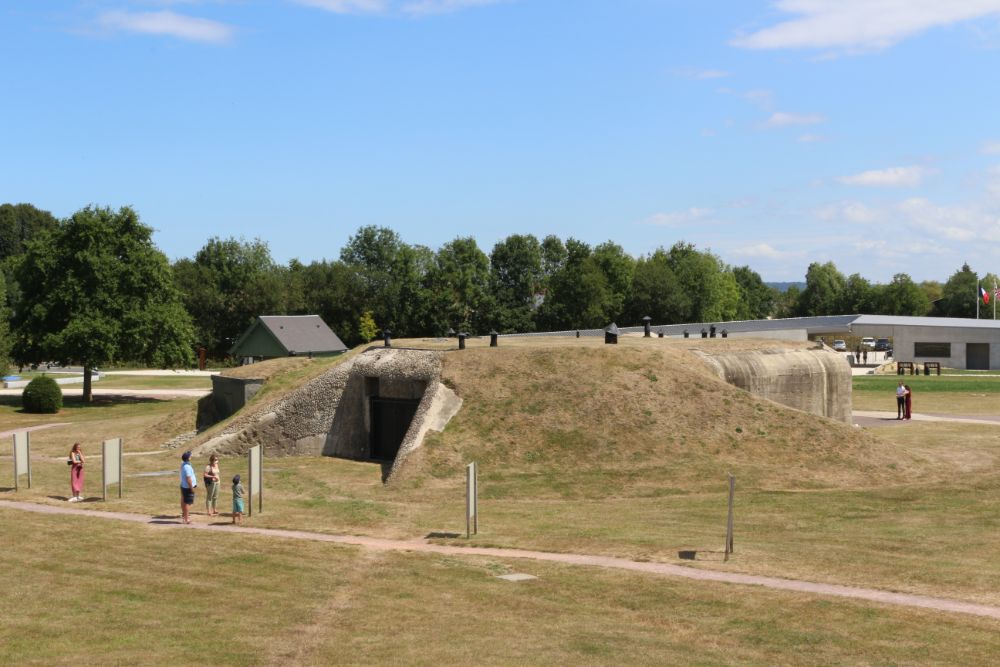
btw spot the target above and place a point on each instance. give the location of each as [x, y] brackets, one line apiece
[639, 417]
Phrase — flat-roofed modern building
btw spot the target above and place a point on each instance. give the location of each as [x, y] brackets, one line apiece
[952, 341]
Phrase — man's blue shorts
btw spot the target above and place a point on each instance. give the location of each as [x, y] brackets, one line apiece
[187, 495]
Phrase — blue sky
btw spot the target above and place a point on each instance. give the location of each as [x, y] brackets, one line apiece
[773, 132]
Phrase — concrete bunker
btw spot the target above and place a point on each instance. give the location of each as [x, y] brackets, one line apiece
[375, 407]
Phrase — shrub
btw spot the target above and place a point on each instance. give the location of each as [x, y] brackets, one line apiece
[42, 395]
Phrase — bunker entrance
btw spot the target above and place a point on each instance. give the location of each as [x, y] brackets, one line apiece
[390, 420]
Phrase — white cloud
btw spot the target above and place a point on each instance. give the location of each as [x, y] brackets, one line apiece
[812, 138]
[765, 250]
[687, 73]
[677, 217]
[167, 23]
[860, 25]
[955, 223]
[347, 6]
[413, 7]
[990, 148]
[783, 119]
[854, 212]
[893, 177]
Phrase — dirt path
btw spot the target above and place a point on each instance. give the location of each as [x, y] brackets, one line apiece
[423, 546]
[875, 418]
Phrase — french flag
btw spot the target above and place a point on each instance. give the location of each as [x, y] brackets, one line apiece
[986, 295]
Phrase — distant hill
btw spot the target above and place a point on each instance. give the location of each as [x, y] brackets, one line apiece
[783, 287]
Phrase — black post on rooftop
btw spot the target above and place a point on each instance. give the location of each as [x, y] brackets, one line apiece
[577, 333]
[611, 334]
[704, 333]
[461, 340]
[711, 331]
[387, 337]
[450, 333]
[645, 326]
[687, 334]
[661, 333]
[494, 342]
[725, 333]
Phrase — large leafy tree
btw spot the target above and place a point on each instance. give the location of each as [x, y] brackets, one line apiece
[959, 295]
[712, 292]
[19, 223]
[824, 291]
[515, 283]
[656, 291]
[580, 294]
[902, 296]
[390, 277]
[226, 286]
[858, 297]
[331, 290]
[757, 300]
[456, 288]
[95, 290]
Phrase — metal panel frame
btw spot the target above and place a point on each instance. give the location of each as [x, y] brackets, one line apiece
[19, 461]
[105, 482]
[255, 459]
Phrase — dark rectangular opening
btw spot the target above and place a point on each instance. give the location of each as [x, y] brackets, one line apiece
[977, 356]
[932, 349]
[391, 419]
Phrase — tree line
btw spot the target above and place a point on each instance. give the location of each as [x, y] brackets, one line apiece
[93, 289]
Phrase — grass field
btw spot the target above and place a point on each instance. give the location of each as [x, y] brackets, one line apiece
[963, 395]
[911, 507]
[246, 600]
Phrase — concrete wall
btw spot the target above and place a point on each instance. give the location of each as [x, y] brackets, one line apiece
[817, 381]
[228, 396]
[903, 339]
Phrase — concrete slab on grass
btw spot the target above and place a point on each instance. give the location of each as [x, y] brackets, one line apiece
[516, 577]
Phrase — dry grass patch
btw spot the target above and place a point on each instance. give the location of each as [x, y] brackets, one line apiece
[89, 591]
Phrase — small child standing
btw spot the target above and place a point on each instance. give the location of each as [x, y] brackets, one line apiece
[237, 500]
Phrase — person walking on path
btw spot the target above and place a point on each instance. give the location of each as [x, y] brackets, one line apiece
[75, 462]
[909, 401]
[900, 400]
[864, 355]
[212, 485]
[188, 485]
[237, 500]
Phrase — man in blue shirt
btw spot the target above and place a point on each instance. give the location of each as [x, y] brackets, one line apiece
[188, 484]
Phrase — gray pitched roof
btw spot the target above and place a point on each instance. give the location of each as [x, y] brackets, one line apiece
[302, 333]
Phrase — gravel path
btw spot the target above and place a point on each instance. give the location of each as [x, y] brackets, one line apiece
[873, 418]
[423, 546]
[150, 393]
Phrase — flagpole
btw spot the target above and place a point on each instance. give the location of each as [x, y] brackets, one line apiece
[994, 299]
[978, 297]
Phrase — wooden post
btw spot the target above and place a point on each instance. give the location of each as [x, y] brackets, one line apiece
[729, 520]
[471, 501]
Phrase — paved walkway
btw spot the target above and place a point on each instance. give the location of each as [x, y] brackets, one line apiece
[423, 546]
[873, 418]
[147, 393]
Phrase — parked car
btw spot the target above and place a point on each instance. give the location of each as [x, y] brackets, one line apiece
[868, 342]
[882, 345]
[839, 345]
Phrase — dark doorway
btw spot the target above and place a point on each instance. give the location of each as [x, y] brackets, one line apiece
[391, 419]
[977, 356]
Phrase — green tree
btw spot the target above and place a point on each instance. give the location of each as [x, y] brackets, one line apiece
[367, 327]
[19, 223]
[580, 295]
[228, 284]
[655, 291]
[390, 275]
[515, 283]
[902, 296]
[333, 291]
[95, 290]
[711, 290]
[823, 294]
[618, 268]
[456, 288]
[959, 294]
[757, 300]
[857, 297]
